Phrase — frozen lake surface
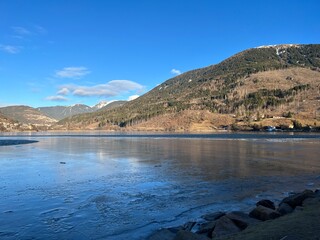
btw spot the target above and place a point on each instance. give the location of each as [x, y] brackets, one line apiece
[100, 186]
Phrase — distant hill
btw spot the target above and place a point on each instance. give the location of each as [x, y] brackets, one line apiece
[250, 88]
[3, 118]
[27, 115]
[7, 124]
[21, 118]
[60, 112]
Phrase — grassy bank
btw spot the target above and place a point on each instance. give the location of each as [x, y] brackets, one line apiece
[301, 224]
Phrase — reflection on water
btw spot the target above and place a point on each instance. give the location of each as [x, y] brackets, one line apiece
[115, 187]
[200, 157]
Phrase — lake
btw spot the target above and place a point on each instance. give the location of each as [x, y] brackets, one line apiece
[126, 186]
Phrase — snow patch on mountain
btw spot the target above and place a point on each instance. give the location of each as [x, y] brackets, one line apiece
[100, 105]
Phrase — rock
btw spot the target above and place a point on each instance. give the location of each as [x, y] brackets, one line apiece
[298, 198]
[266, 203]
[185, 235]
[317, 193]
[213, 216]
[284, 209]
[224, 226]
[188, 226]
[163, 234]
[263, 213]
[207, 228]
[241, 219]
[175, 229]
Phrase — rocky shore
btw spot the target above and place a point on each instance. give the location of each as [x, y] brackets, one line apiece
[295, 217]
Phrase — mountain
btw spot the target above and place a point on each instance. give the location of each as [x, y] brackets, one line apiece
[7, 124]
[27, 115]
[113, 105]
[100, 105]
[60, 112]
[277, 85]
[25, 118]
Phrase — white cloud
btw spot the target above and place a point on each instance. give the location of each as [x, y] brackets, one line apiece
[21, 31]
[110, 89]
[133, 97]
[57, 98]
[175, 71]
[40, 30]
[72, 72]
[63, 91]
[10, 49]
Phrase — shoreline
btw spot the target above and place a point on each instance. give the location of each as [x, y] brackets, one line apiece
[146, 132]
[205, 131]
[295, 217]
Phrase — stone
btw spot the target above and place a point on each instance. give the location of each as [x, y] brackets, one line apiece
[284, 209]
[207, 228]
[266, 203]
[163, 234]
[224, 226]
[241, 219]
[213, 216]
[187, 227]
[175, 229]
[298, 198]
[263, 213]
[185, 235]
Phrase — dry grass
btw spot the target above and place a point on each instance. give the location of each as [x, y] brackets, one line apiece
[189, 120]
[298, 225]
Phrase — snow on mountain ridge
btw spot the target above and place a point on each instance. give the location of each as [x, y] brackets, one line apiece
[100, 105]
[279, 46]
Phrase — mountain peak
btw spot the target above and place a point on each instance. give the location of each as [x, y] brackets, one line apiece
[100, 105]
[78, 105]
[279, 46]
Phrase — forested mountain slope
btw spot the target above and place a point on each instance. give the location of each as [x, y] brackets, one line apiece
[253, 85]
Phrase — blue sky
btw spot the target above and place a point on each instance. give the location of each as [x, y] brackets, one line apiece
[64, 52]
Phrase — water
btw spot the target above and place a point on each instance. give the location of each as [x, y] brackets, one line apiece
[99, 186]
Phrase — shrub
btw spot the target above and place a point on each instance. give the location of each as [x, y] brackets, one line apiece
[297, 124]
